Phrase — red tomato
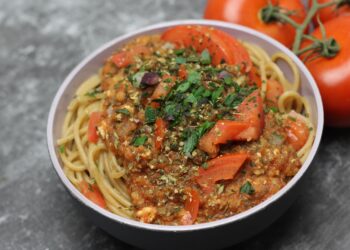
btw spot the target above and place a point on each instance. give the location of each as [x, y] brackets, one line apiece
[192, 205]
[125, 58]
[251, 112]
[94, 120]
[331, 12]
[224, 167]
[297, 131]
[160, 130]
[93, 193]
[182, 72]
[333, 75]
[221, 46]
[254, 77]
[221, 133]
[247, 13]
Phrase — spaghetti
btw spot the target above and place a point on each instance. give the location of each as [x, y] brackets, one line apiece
[122, 188]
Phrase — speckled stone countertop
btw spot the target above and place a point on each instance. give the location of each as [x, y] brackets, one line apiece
[40, 42]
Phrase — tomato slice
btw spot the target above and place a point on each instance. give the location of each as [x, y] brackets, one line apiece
[221, 133]
[224, 167]
[192, 205]
[160, 130]
[251, 112]
[221, 46]
[93, 193]
[297, 130]
[94, 120]
[274, 90]
[125, 58]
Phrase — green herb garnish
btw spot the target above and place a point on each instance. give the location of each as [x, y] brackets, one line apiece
[93, 93]
[180, 60]
[195, 135]
[123, 111]
[139, 141]
[191, 143]
[247, 188]
[150, 115]
[182, 88]
[217, 93]
[136, 79]
[205, 57]
[61, 149]
[179, 52]
[194, 76]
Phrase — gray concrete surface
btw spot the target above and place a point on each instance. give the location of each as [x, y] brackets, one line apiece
[40, 42]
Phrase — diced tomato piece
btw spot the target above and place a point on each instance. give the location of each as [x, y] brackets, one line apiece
[155, 105]
[240, 54]
[221, 46]
[93, 193]
[254, 77]
[94, 120]
[251, 112]
[160, 131]
[182, 72]
[122, 59]
[125, 58]
[297, 130]
[192, 205]
[274, 90]
[224, 167]
[222, 132]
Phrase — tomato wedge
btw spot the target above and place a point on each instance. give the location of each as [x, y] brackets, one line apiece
[297, 130]
[273, 91]
[94, 120]
[224, 167]
[221, 133]
[251, 112]
[160, 130]
[125, 58]
[192, 205]
[221, 46]
[93, 193]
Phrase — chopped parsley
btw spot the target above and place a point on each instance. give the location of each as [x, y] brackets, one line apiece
[216, 94]
[61, 149]
[150, 115]
[247, 188]
[195, 135]
[93, 93]
[180, 60]
[139, 141]
[182, 88]
[123, 111]
[205, 57]
[194, 76]
[179, 52]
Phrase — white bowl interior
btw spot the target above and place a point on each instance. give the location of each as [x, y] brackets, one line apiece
[92, 63]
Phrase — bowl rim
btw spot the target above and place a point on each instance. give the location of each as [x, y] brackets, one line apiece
[166, 228]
